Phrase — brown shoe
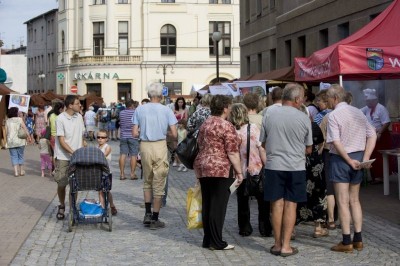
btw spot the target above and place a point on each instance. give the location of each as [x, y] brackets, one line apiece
[358, 246]
[343, 248]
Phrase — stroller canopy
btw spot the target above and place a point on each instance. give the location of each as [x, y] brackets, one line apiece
[88, 156]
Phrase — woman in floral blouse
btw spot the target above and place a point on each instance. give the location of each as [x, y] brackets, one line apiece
[257, 157]
[218, 152]
[200, 115]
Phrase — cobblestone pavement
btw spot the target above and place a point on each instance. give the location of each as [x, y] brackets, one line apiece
[130, 243]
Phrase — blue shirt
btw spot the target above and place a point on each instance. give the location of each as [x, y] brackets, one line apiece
[153, 120]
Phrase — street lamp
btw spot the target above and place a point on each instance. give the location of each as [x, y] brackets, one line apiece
[164, 68]
[217, 36]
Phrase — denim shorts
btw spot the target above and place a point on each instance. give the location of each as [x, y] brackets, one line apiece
[17, 155]
[341, 172]
[129, 146]
[289, 185]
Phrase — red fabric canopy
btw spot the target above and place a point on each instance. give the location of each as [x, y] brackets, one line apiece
[373, 52]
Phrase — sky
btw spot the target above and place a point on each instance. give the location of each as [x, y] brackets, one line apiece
[13, 14]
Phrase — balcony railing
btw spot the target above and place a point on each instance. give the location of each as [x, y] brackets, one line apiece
[107, 59]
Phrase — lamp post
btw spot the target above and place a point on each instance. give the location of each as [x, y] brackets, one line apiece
[217, 36]
[164, 69]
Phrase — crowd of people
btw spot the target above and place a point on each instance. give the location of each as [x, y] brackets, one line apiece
[309, 157]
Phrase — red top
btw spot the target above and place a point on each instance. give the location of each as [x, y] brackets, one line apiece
[216, 138]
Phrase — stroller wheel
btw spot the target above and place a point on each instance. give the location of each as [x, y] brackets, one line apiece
[70, 220]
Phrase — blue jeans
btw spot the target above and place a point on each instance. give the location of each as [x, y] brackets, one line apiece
[17, 155]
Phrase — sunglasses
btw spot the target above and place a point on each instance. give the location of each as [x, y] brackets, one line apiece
[101, 137]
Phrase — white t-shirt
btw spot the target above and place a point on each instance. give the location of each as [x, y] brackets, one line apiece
[379, 117]
[72, 128]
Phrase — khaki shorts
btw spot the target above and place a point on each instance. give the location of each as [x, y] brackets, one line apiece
[61, 173]
[155, 166]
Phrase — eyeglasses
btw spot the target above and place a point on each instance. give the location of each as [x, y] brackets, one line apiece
[102, 137]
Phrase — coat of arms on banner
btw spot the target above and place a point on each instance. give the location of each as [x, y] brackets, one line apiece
[375, 58]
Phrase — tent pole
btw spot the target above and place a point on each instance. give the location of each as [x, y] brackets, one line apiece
[341, 80]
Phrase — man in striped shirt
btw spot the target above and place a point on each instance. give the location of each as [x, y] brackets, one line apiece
[353, 140]
[128, 144]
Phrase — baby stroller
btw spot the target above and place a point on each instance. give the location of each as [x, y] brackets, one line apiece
[88, 171]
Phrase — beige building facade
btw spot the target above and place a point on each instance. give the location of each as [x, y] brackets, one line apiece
[114, 48]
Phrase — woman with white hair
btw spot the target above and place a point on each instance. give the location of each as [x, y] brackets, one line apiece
[90, 122]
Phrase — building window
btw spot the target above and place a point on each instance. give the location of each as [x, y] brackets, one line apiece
[220, 1]
[42, 34]
[122, 1]
[259, 61]
[62, 45]
[248, 65]
[168, 40]
[98, 38]
[48, 27]
[272, 4]
[123, 37]
[301, 46]
[34, 35]
[323, 38]
[167, 1]
[343, 30]
[247, 11]
[99, 2]
[288, 52]
[174, 88]
[224, 45]
[272, 59]
[258, 7]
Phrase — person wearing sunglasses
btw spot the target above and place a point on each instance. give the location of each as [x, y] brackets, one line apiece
[102, 140]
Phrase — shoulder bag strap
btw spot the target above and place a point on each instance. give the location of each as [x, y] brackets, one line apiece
[248, 144]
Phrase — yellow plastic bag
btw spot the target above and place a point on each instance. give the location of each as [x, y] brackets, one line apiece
[193, 208]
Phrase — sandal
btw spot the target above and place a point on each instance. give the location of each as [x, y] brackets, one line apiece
[60, 215]
[294, 252]
[274, 252]
[320, 232]
[122, 178]
[331, 225]
[114, 211]
[134, 177]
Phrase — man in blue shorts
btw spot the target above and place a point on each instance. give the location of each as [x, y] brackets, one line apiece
[353, 140]
[128, 144]
[287, 134]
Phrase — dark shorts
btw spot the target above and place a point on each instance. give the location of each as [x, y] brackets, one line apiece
[341, 172]
[289, 185]
[129, 146]
[329, 185]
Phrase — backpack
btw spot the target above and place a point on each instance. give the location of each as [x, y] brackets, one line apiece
[105, 118]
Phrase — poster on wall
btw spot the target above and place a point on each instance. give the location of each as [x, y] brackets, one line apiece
[20, 101]
[256, 86]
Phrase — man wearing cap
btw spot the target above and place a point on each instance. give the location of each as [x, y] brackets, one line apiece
[378, 116]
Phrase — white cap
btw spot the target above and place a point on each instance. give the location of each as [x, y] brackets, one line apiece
[370, 94]
[324, 86]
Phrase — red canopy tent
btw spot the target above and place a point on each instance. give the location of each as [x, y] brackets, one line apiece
[373, 52]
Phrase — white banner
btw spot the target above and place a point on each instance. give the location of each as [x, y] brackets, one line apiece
[257, 86]
[219, 90]
[20, 101]
[233, 89]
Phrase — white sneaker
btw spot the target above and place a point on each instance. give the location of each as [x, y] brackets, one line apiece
[180, 168]
[184, 169]
[174, 164]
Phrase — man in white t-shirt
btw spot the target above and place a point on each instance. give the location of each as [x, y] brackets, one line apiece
[69, 138]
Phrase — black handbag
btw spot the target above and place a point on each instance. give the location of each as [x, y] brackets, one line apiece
[254, 183]
[188, 149]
